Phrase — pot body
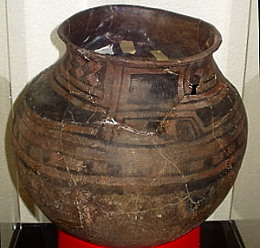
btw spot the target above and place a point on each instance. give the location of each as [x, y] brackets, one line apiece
[128, 155]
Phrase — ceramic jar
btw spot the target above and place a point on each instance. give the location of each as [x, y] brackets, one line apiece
[134, 137]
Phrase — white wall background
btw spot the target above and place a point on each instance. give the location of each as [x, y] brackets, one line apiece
[34, 44]
[246, 203]
[8, 205]
[9, 212]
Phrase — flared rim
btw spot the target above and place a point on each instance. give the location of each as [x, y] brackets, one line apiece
[92, 55]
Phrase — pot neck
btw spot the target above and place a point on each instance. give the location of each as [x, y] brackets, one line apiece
[194, 39]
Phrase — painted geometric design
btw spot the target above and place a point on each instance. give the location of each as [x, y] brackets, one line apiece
[112, 143]
[153, 89]
[127, 151]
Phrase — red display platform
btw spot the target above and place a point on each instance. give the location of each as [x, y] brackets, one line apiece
[190, 240]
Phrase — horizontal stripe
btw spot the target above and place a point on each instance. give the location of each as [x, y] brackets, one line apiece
[225, 163]
[68, 159]
[200, 139]
[134, 186]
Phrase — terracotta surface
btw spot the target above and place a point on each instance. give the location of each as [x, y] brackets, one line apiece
[128, 150]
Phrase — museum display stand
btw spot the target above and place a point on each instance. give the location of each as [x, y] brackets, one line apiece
[211, 234]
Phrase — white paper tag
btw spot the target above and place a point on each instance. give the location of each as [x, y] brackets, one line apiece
[159, 55]
[127, 46]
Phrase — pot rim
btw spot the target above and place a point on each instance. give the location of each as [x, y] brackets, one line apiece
[91, 55]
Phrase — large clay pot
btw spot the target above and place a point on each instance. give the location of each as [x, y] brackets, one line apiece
[130, 149]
